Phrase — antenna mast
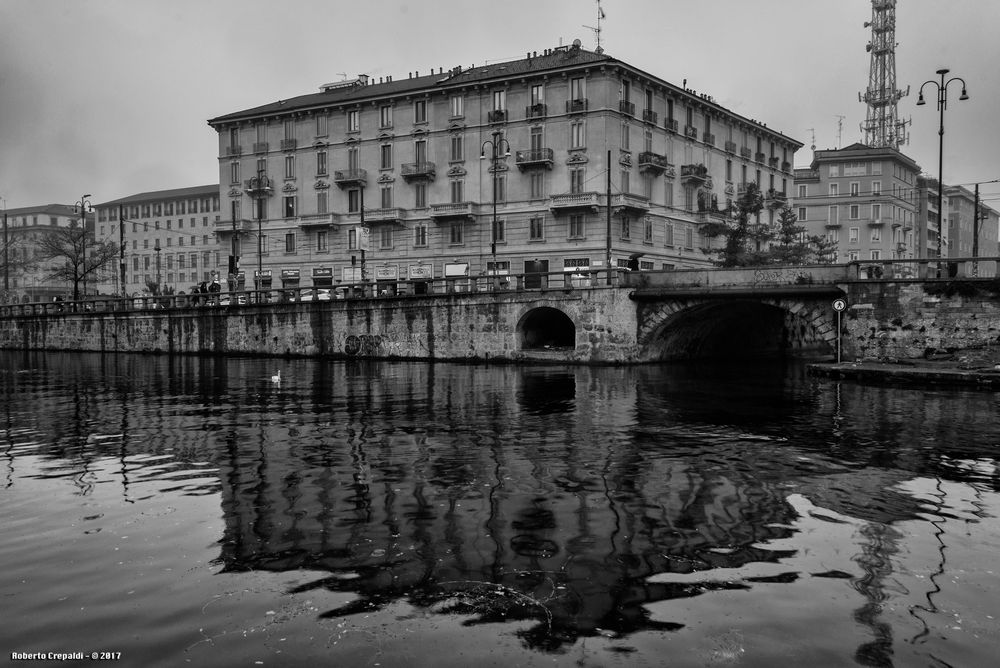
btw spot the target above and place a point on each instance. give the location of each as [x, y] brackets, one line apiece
[882, 127]
[840, 129]
[597, 30]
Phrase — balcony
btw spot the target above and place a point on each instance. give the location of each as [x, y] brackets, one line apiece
[649, 116]
[497, 116]
[626, 107]
[625, 203]
[745, 152]
[576, 106]
[451, 210]
[537, 110]
[776, 198]
[671, 125]
[574, 202]
[317, 220]
[786, 166]
[760, 157]
[730, 147]
[260, 147]
[385, 215]
[708, 138]
[695, 175]
[773, 162]
[417, 171]
[289, 144]
[346, 178]
[653, 163]
[536, 157]
[691, 131]
[234, 150]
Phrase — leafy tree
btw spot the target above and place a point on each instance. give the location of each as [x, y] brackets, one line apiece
[745, 240]
[14, 259]
[794, 246]
[82, 255]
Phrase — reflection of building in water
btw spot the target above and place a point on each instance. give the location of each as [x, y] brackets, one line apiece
[572, 513]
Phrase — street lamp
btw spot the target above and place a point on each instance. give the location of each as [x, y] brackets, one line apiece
[83, 207]
[259, 189]
[157, 249]
[497, 144]
[942, 104]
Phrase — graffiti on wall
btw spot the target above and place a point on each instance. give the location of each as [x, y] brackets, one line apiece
[363, 345]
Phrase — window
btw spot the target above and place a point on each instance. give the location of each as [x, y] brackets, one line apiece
[265, 249]
[321, 164]
[536, 184]
[802, 213]
[261, 132]
[457, 191]
[670, 111]
[386, 196]
[688, 198]
[834, 189]
[500, 231]
[457, 148]
[669, 235]
[688, 238]
[290, 242]
[289, 166]
[855, 188]
[353, 122]
[834, 216]
[537, 94]
[802, 191]
[457, 106]
[353, 200]
[876, 255]
[500, 187]
[626, 182]
[577, 89]
[854, 235]
[385, 153]
[289, 206]
[576, 180]
[536, 228]
[854, 212]
[456, 233]
[420, 151]
[420, 195]
[234, 137]
[322, 202]
[577, 227]
[626, 90]
[876, 187]
[499, 100]
[876, 211]
[234, 172]
[647, 230]
[385, 116]
[420, 111]
[352, 238]
[876, 168]
[321, 125]
[353, 159]
[322, 243]
[625, 137]
[834, 171]
[876, 235]
[420, 235]
[668, 193]
[647, 186]
[385, 236]
[261, 169]
[577, 136]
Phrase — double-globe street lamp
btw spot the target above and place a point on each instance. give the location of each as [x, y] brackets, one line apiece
[498, 147]
[83, 207]
[259, 189]
[942, 104]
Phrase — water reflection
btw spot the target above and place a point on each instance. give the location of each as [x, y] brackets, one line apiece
[580, 500]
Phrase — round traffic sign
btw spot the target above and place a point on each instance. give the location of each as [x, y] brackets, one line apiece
[839, 304]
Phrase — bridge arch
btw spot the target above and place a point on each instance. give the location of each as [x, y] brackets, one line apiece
[545, 327]
[696, 328]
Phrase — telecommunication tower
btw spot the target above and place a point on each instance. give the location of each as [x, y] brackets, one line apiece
[883, 127]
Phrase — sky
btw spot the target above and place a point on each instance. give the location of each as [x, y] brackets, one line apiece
[110, 97]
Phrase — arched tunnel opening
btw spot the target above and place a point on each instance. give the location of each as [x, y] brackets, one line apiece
[546, 327]
[727, 330]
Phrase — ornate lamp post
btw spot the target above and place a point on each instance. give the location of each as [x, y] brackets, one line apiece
[157, 249]
[942, 104]
[497, 145]
[259, 189]
[83, 207]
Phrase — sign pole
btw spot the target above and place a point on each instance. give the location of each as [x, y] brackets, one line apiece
[839, 305]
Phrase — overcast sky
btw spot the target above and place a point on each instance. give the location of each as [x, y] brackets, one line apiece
[111, 97]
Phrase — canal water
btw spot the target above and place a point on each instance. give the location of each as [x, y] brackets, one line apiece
[192, 511]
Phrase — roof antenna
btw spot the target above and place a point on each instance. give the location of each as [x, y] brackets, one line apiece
[840, 129]
[597, 30]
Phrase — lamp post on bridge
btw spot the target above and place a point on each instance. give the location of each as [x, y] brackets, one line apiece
[83, 207]
[259, 189]
[942, 104]
[497, 144]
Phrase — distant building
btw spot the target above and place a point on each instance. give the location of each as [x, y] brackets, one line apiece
[963, 228]
[28, 276]
[414, 157]
[863, 199]
[181, 223]
[928, 217]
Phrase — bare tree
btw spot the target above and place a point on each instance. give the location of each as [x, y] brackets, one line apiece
[82, 255]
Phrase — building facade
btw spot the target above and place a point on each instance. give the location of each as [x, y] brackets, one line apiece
[561, 161]
[863, 199]
[27, 274]
[169, 238]
[932, 235]
[966, 236]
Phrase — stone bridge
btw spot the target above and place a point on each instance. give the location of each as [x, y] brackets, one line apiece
[633, 317]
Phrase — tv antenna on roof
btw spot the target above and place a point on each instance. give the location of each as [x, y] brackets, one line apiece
[840, 128]
[597, 30]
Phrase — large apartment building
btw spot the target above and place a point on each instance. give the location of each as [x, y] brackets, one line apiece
[558, 161]
[28, 275]
[863, 199]
[966, 236]
[169, 239]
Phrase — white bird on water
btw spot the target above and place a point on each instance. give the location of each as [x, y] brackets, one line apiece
[276, 378]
